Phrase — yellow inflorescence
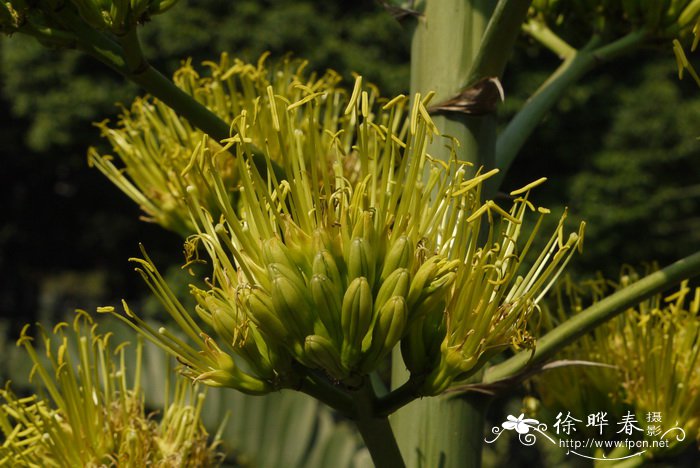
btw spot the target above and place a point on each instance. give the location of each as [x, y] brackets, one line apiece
[91, 415]
[361, 242]
[650, 356]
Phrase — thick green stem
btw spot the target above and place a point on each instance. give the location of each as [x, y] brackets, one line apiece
[189, 108]
[594, 315]
[185, 105]
[133, 54]
[361, 406]
[447, 432]
[127, 59]
[319, 388]
[445, 42]
[380, 441]
[93, 42]
[500, 35]
[130, 63]
[375, 430]
[519, 129]
[399, 397]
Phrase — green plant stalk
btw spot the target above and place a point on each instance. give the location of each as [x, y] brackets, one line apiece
[595, 315]
[498, 40]
[545, 36]
[127, 59]
[399, 397]
[185, 105]
[448, 432]
[445, 41]
[319, 388]
[375, 430]
[189, 108]
[577, 64]
[131, 64]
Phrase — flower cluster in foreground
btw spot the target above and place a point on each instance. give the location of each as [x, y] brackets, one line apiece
[363, 242]
[90, 415]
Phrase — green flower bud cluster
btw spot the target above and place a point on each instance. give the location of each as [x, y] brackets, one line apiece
[644, 360]
[158, 154]
[366, 243]
[489, 310]
[91, 415]
[52, 21]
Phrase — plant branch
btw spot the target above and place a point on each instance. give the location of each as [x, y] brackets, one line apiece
[375, 430]
[127, 59]
[504, 385]
[185, 105]
[327, 393]
[519, 129]
[399, 397]
[49, 35]
[133, 54]
[498, 40]
[360, 405]
[539, 31]
[132, 65]
[92, 42]
[621, 46]
[196, 113]
[598, 313]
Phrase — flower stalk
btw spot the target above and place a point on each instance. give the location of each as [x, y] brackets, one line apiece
[447, 57]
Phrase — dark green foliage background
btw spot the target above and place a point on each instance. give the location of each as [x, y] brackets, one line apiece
[620, 150]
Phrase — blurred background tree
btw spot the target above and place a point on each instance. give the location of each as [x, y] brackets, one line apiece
[622, 153]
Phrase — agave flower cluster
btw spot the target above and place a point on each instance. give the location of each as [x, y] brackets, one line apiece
[89, 415]
[157, 153]
[651, 356]
[365, 241]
